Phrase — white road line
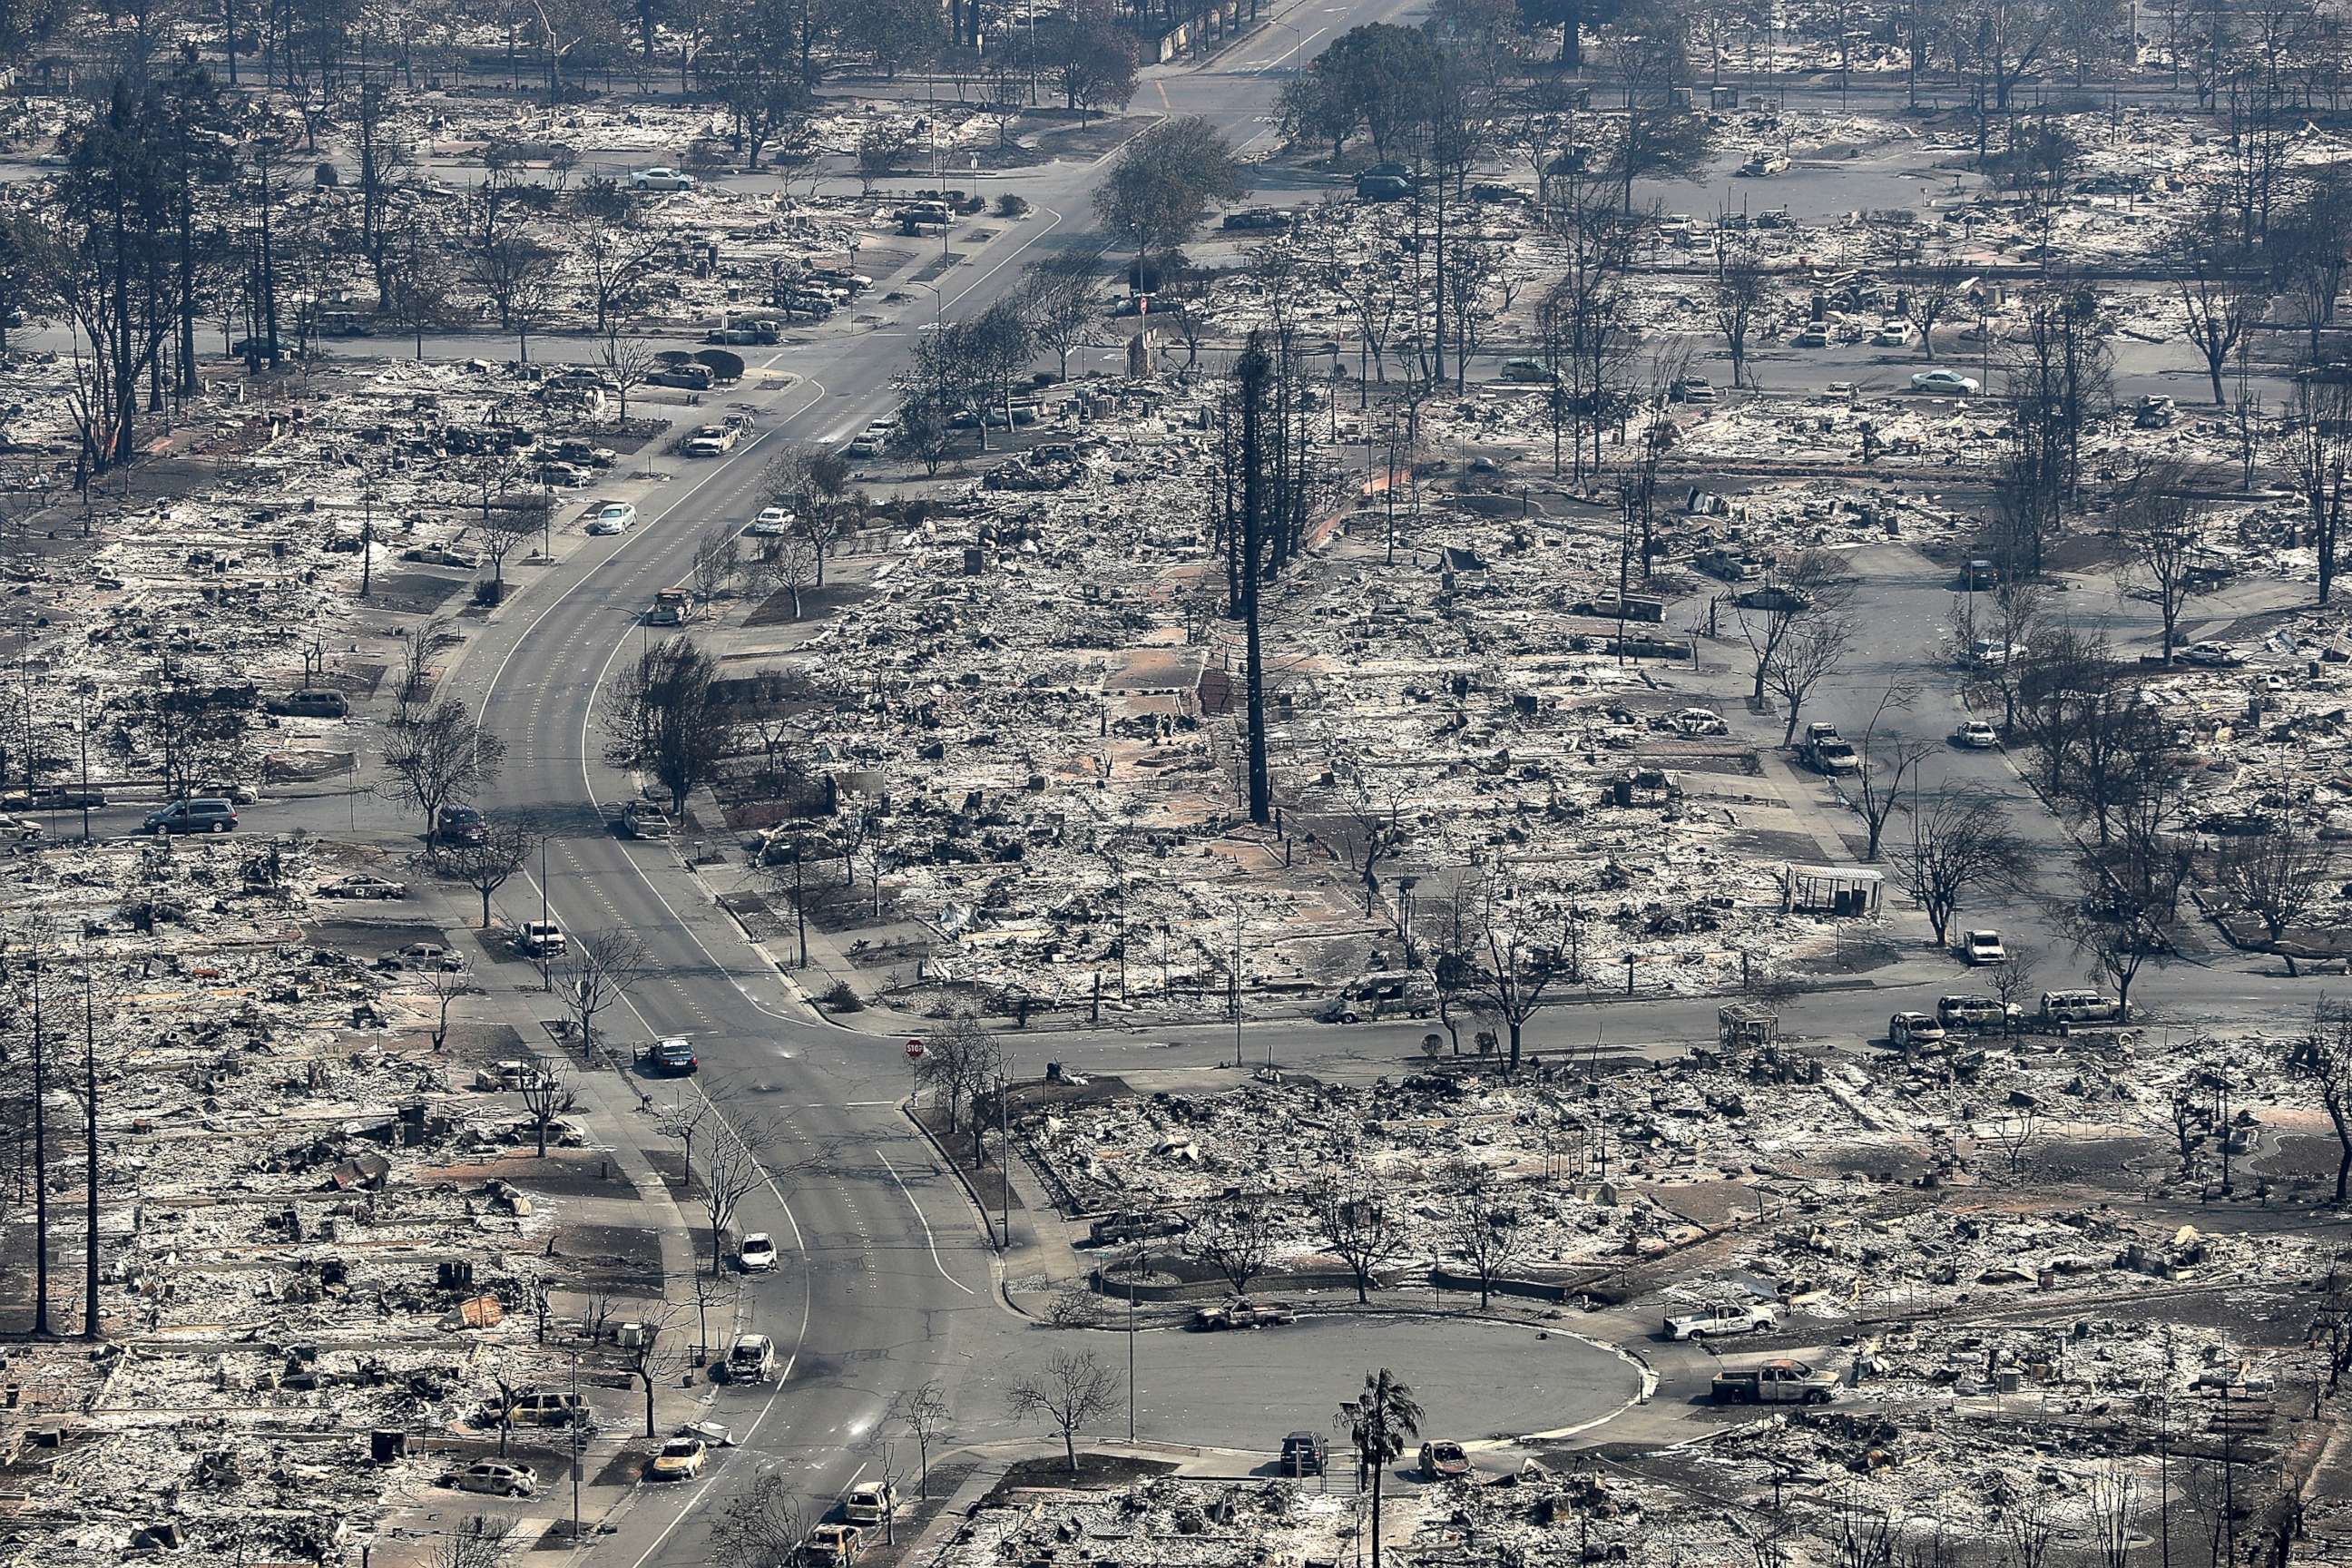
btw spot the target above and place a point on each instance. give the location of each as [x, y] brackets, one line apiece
[926, 1223]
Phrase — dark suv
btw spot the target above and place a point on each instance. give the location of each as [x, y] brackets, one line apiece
[204, 816]
[1303, 1454]
[461, 826]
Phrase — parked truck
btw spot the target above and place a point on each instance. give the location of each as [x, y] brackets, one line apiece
[1829, 752]
[1241, 1313]
[1775, 1382]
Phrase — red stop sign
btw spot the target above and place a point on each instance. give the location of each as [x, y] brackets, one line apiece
[914, 1050]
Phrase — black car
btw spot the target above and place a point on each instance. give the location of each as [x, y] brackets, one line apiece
[461, 826]
[671, 1056]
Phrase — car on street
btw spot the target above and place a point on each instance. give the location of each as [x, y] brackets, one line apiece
[1531, 370]
[540, 939]
[833, 1546]
[495, 1477]
[710, 441]
[869, 1502]
[643, 819]
[1984, 947]
[1729, 1319]
[461, 827]
[2212, 655]
[750, 1359]
[613, 517]
[20, 830]
[1812, 336]
[680, 1459]
[757, 1255]
[771, 521]
[1907, 1029]
[1257, 218]
[1976, 1013]
[1945, 384]
[662, 179]
[1775, 1382]
[1444, 1460]
[201, 814]
[1976, 735]
[364, 888]
[673, 1056]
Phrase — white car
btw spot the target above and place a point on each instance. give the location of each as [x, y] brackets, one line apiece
[1698, 722]
[496, 1479]
[757, 1255]
[662, 179]
[1977, 736]
[1722, 1320]
[2217, 655]
[1913, 1029]
[613, 517]
[1984, 947]
[1950, 383]
[772, 520]
[540, 939]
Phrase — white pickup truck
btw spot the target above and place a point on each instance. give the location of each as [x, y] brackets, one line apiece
[1722, 1320]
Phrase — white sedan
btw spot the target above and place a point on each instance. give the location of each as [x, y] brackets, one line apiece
[757, 1255]
[662, 179]
[1976, 735]
[613, 517]
[1950, 383]
[771, 521]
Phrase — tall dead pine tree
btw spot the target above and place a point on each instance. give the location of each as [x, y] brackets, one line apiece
[1251, 372]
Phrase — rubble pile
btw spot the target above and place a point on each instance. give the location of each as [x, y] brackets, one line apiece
[1160, 1523]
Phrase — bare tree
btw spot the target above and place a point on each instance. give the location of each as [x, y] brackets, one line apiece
[1358, 1225]
[1883, 759]
[2160, 526]
[477, 1541]
[1235, 1237]
[546, 1094]
[1810, 653]
[1516, 953]
[445, 987]
[1739, 293]
[506, 848]
[923, 1410]
[1932, 287]
[734, 1152]
[2016, 1134]
[1960, 844]
[1805, 587]
[2322, 1057]
[2116, 924]
[440, 759]
[2281, 875]
[1072, 1389]
[599, 971]
[629, 364]
[2319, 454]
[653, 1360]
[1483, 1227]
[417, 669]
[765, 1524]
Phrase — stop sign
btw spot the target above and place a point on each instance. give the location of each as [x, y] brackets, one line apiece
[914, 1050]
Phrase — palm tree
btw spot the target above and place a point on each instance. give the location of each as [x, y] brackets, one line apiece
[1379, 1422]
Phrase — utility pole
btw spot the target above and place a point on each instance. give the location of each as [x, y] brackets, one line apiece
[1251, 372]
[1004, 1152]
[89, 1154]
[1235, 982]
[1131, 1265]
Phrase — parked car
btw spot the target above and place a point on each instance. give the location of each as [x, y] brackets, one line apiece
[206, 815]
[554, 1407]
[680, 1459]
[771, 521]
[1812, 336]
[1975, 1013]
[1528, 371]
[424, 955]
[662, 179]
[613, 517]
[1945, 383]
[1386, 183]
[1984, 947]
[1444, 1460]
[311, 702]
[1976, 735]
[461, 826]
[1775, 1382]
[1907, 1029]
[750, 1359]
[541, 939]
[364, 888]
[870, 1502]
[495, 1477]
[833, 1545]
[1257, 218]
[2212, 655]
[641, 819]
[1696, 721]
[1891, 335]
[757, 1255]
[2077, 1006]
[1729, 1319]
[1135, 1224]
[1304, 1454]
[673, 1056]
[709, 441]
[1241, 1313]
